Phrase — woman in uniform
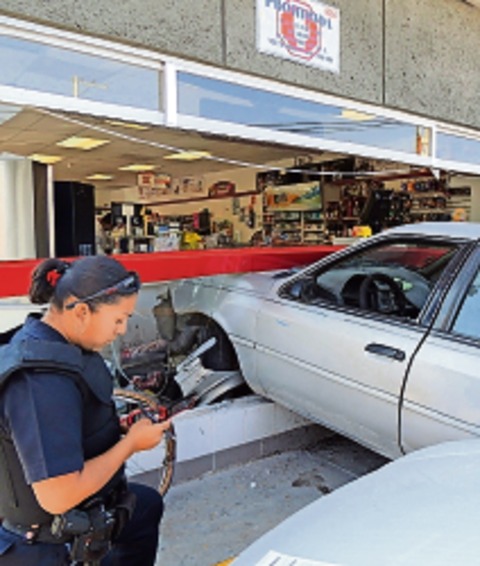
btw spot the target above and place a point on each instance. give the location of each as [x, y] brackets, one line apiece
[63, 496]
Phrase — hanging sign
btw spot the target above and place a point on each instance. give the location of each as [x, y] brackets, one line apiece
[305, 31]
[151, 185]
[301, 196]
[146, 179]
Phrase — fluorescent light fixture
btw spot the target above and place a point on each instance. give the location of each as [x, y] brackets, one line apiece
[45, 159]
[138, 167]
[188, 155]
[129, 125]
[85, 144]
[356, 116]
[99, 177]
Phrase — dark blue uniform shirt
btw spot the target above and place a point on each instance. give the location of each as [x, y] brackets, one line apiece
[43, 412]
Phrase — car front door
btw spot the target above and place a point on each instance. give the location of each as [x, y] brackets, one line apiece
[442, 395]
[337, 351]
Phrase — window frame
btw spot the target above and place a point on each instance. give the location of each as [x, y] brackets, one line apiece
[435, 294]
[455, 294]
[168, 115]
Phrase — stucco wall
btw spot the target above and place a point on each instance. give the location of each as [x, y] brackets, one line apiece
[432, 59]
[190, 28]
[418, 56]
[360, 51]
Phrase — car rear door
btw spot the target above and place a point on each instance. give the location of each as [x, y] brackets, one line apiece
[442, 394]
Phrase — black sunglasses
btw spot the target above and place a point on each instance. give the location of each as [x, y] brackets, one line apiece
[127, 286]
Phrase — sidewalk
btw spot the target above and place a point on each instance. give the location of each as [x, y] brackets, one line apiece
[212, 518]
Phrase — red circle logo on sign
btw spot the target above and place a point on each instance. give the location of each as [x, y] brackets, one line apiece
[298, 29]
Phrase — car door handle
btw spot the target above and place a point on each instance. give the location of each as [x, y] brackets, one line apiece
[387, 351]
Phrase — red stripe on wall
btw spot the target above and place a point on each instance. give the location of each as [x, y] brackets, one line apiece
[164, 266]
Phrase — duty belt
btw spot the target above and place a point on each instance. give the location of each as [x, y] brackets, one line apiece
[90, 529]
[35, 533]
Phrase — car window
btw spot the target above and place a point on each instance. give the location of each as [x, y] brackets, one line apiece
[393, 278]
[467, 321]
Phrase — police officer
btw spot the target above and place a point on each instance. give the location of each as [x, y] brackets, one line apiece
[63, 494]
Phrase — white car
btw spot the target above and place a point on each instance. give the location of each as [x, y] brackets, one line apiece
[379, 341]
[421, 510]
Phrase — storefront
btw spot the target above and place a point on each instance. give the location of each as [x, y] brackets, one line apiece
[170, 163]
[170, 154]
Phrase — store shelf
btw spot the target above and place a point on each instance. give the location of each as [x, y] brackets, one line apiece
[347, 241]
[427, 194]
[452, 200]
[429, 211]
[382, 206]
[344, 209]
[294, 226]
[204, 198]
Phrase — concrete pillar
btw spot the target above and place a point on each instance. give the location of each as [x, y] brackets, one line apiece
[17, 235]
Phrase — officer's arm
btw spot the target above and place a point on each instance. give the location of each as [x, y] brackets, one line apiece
[61, 493]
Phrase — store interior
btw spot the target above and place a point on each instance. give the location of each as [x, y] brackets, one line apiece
[135, 187]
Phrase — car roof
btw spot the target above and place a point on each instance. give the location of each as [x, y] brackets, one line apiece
[469, 230]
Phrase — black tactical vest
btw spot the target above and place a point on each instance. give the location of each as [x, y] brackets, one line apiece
[101, 428]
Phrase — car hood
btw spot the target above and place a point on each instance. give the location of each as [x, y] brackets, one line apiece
[259, 283]
[420, 509]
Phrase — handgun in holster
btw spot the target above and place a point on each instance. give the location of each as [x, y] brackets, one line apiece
[91, 530]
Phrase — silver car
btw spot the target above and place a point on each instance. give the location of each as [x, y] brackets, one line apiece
[421, 509]
[379, 341]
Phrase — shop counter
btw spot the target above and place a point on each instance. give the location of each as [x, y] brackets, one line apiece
[165, 266]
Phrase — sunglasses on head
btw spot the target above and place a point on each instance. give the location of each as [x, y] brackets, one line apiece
[129, 285]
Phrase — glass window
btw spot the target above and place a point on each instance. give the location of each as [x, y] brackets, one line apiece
[467, 322]
[393, 278]
[458, 148]
[35, 66]
[229, 102]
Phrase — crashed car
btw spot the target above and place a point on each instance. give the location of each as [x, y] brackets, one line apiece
[419, 509]
[378, 341]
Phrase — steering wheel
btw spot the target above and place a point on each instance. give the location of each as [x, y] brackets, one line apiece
[381, 293]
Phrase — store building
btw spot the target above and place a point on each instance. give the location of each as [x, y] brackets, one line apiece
[240, 122]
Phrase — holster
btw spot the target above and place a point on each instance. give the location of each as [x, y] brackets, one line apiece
[95, 526]
[91, 531]
[124, 507]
